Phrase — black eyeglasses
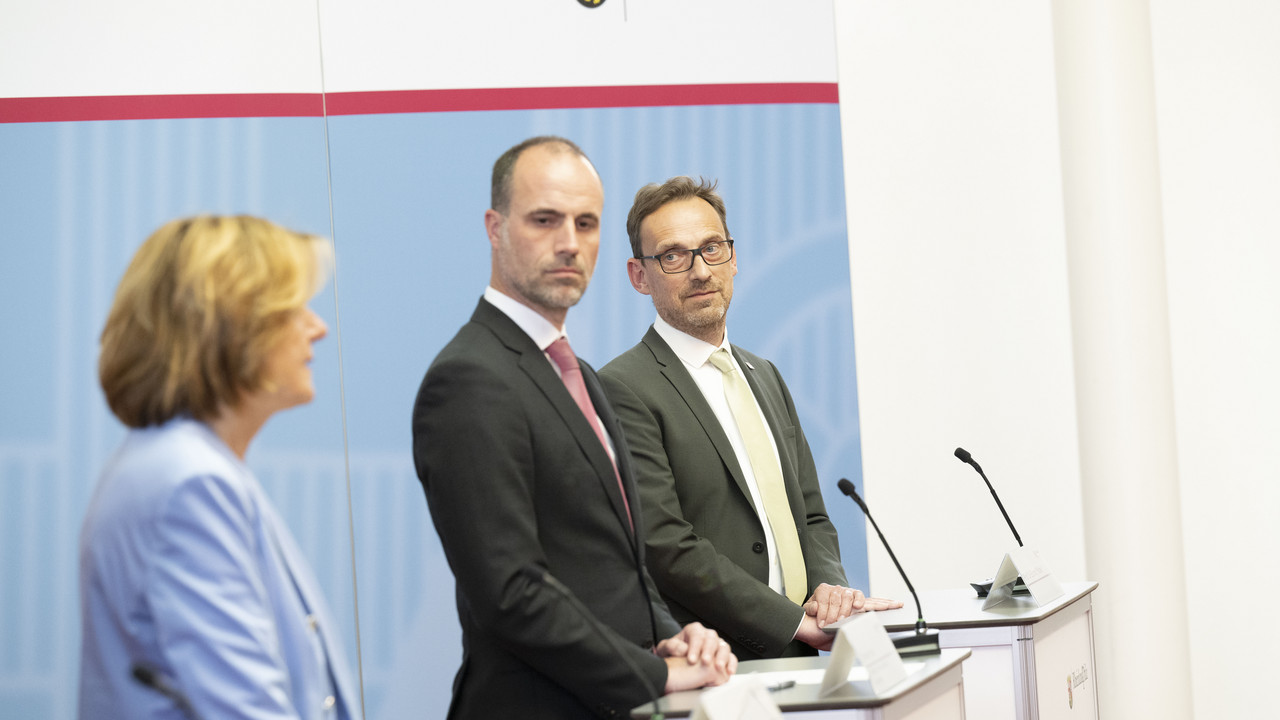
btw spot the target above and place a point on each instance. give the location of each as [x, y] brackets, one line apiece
[678, 260]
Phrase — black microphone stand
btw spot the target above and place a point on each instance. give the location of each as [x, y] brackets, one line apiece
[923, 641]
[966, 458]
[984, 588]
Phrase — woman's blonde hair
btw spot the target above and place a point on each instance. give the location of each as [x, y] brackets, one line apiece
[199, 308]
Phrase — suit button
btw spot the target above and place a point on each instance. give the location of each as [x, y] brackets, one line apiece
[757, 547]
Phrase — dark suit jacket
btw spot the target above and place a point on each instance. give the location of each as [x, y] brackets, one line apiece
[516, 478]
[705, 543]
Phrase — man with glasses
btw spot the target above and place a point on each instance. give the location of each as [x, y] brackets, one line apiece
[738, 536]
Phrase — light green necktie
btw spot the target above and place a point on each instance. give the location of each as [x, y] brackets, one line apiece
[768, 472]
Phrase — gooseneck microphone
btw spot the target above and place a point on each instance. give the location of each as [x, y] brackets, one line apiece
[966, 458]
[538, 575]
[147, 676]
[924, 641]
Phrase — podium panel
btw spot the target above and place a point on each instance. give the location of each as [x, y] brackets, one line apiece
[1023, 656]
[1062, 665]
[933, 690]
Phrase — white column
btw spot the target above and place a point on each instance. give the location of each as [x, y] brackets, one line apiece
[1120, 326]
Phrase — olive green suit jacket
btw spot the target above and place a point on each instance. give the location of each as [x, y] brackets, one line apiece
[705, 545]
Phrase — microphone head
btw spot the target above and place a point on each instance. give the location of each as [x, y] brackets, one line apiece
[964, 455]
[847, 488]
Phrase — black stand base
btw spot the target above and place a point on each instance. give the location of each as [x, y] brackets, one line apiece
[984, 588]
[916, 643]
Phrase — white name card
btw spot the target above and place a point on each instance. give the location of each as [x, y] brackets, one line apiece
[864, 641]
[1024, 561]
[746, 699]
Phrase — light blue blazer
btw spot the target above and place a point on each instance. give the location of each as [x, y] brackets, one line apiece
[185, 567]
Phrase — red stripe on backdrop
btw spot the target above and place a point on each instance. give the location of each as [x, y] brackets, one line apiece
[412, 101]
[157, 107]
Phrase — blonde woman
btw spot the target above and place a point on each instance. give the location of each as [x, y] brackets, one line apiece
[189, 581]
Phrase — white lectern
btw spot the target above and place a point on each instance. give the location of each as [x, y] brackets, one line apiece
[1028, 662]
[933, 690]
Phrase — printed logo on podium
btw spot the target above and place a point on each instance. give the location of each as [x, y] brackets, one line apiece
[591, 3]
[1075, 679]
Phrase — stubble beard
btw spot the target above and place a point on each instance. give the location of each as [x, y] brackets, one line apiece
[553, 294]
[700, 321]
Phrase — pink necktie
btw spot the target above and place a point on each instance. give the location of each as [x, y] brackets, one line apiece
[571, 374]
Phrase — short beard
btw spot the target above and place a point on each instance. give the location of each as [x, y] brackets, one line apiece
[553, 296]
[557, 297]
[699, 322]
[708, 318]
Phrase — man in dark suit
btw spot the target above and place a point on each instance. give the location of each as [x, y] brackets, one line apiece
[738, 536]
[528, 478]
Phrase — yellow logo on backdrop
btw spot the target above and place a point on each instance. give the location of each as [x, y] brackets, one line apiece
[591, 3]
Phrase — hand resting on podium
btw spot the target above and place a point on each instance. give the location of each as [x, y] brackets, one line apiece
[830, 603]
[696, 657]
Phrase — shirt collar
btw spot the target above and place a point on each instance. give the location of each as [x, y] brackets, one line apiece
[691, 351]
[538, 328]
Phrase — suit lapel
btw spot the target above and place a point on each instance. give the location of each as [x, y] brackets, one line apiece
[312, 599]
[535, 365]
[674, 371]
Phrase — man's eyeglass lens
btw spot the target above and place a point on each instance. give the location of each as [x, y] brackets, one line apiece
[680, 260]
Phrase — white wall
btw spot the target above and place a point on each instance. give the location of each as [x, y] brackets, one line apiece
[959, 285]
[961, 303]
[1217, 77]
[395, 44]
[63, 48]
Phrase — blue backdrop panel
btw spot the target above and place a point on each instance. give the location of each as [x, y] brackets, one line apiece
[409, 192]
[409, 196]
[76, 200]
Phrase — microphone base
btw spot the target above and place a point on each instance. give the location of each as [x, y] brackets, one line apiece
[984, 588]
[916, 644]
